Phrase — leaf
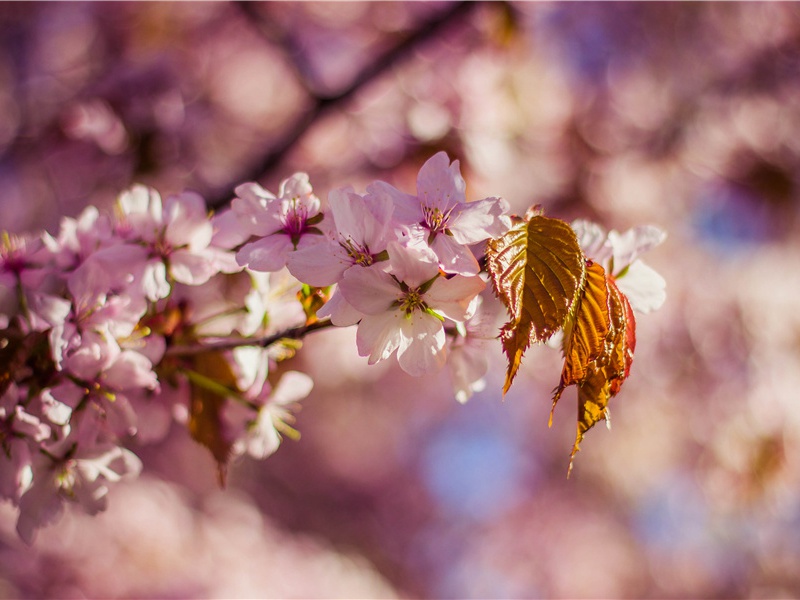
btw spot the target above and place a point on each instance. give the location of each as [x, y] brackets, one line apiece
[312, 299]
[212, 382]
[537, 269]
[586, 330]
[603, 375]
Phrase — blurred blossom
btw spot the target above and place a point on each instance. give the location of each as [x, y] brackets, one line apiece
[220, 548]
[96, 122]
[679, 115]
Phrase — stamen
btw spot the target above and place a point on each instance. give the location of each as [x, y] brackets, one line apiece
[412, 300]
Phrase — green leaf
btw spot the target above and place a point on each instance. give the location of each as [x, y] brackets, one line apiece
[537, 270]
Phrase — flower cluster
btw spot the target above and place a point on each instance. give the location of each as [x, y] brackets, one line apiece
[403, 265]
[91, 321]
[118, 325]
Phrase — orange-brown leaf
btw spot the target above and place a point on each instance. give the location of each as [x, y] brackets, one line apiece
[586, 329]
[605, 375]
[537, 269]
[312, 299]
[206, 404]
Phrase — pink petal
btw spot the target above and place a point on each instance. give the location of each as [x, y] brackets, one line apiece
[454, 257]
[369, 289]
[190, 268]
[406, 208]
[257, 209]
[340, 311]
[422, 349]
[452, 297]
[476, 221]
[293, 386]
[378, 336]
[439, 184]
[633, 243]
[413, 266]
[319, 265]
[268, 254]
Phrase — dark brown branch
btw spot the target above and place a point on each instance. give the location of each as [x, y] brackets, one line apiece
[323, 104]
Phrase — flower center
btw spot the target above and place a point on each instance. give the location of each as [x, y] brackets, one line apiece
[295, 221]
[412, 300]
[359, 254]
[435, 219]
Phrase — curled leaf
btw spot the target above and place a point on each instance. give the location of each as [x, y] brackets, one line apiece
[537, 270]
[598, 377]
[586, 330]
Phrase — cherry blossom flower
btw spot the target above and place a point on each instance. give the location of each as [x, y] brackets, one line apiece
[76, 472]
[20, 433]
[619, 254]
[440, 216]
[175, 237]
[403, 310]
[282, 224]
[469, 357]
[362, 229]
[24, 281]
[79, 238]
[262, 434]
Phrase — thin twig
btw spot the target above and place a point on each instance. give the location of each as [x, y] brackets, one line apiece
[293, 333]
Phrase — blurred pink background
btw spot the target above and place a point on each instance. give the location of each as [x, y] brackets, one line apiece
[681, 115]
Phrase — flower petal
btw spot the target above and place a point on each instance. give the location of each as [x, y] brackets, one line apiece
[476, 221]
[422, 348]
[340, 311]
[319, 264]
[644, 287]
[633, 243]
[369, 289]
[452, 297]
[268, 254]
[439, 183]
[378, 336]
[406, 208]
[412, 265]
[454, 257]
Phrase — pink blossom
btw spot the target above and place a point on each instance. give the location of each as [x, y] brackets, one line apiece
[362, 229]
[25, 270]
[440, 216]
[261, 437]
[619, 254]
[76, 472]
[404, 309]
[20, 434]
[78, 238]
[282, 224]
[469, 350]
[176, 237]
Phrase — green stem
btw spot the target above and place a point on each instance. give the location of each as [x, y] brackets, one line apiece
[216, 388]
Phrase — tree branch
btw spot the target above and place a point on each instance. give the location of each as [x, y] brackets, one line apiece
[293, 333]
[323, 104]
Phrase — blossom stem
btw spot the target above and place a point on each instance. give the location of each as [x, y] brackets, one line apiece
[293, 333]
[213, 386]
